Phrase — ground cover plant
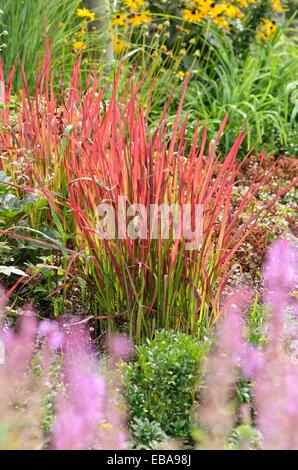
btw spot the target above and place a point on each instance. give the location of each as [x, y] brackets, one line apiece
[161, 385]
[148, 225]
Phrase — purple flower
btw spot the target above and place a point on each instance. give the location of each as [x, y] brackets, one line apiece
[119, 346]
[79, 415]
[50, 330]
[280, 272]
[252, 361]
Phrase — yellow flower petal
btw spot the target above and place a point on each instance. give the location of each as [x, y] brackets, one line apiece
[119, 20]
[134, 4]
[79, 45]
[138, 18]
[85, 13]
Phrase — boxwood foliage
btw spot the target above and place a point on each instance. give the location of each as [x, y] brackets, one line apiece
[161, 384]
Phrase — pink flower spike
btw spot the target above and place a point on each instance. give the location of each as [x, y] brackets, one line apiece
[119, 346]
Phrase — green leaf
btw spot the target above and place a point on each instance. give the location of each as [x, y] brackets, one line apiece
[8, 270]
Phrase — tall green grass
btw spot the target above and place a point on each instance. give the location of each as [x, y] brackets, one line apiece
[262, 89]
[27, 23]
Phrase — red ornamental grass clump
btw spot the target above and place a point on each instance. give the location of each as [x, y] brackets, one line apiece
[80, 147]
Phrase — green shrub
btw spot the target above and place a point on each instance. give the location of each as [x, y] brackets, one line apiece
[161, 384]
[148, 435]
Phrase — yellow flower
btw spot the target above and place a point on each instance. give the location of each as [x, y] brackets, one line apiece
[221, 22]
[276, 5]
[85, 13]
[119, 20]
[266, 29]
[242, 3]
[193, 16]
[118, 45]
[79, 45]
[134, 4]
[217, 10]
[232, 12]
[204, 4]
[181, 74]
[138, 18]
[205, 7]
